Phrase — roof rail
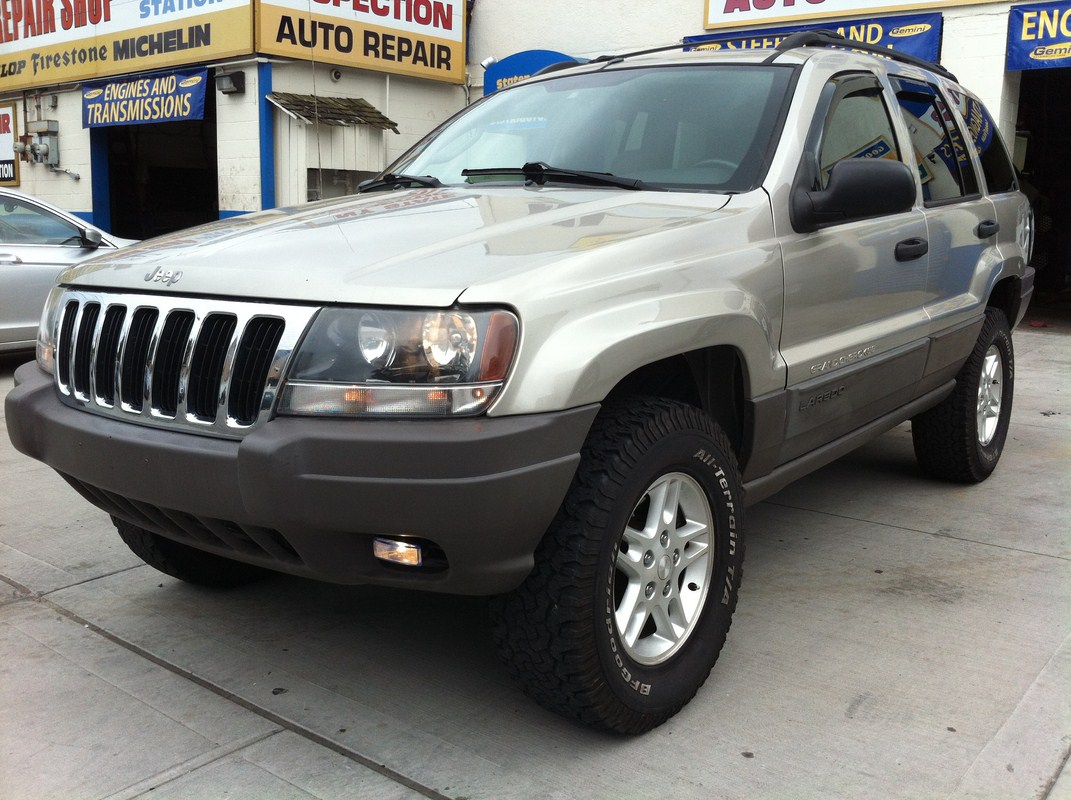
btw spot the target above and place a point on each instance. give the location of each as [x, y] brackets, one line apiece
[825, 38]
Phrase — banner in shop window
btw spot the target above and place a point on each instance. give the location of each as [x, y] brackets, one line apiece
[1039, 36]
[917, 35]
[45, 42]
[159, 97]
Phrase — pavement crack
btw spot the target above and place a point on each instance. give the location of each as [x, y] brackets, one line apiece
[278, 720]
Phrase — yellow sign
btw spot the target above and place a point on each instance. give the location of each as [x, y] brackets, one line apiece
[419, 38]
[46, 42]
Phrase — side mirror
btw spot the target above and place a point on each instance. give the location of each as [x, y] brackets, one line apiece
[858, 188]
[91, 238]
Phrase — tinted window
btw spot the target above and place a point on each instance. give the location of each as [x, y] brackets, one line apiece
[945, 168]
[983, 136]
[857, 124]
[694, 127]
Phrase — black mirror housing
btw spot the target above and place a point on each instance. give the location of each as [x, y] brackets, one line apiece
[858, 188]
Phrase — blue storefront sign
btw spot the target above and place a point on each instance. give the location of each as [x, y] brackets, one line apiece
[917, 35]
[1039, 36]
[519, 66]
[158, 97]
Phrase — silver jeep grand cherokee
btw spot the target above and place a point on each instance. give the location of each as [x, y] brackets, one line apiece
[554, 350]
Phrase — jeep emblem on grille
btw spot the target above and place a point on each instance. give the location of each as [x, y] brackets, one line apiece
[166, 277]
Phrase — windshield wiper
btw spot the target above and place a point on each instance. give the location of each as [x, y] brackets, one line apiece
[398, 180]
[539, 173]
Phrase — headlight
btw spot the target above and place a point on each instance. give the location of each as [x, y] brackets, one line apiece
[366, 362]
[46, 331]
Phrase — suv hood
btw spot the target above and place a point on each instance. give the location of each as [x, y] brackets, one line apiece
[409, 247]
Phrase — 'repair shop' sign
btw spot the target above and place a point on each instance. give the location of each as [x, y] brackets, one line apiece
[45, 42]
[918, 35]
[162, 97]
[418, 38]
[1039, 36]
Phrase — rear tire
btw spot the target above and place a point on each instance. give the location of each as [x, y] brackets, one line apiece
[634, 586]
[961, 439]
[184, 562]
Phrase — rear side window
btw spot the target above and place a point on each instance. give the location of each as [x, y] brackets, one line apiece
[945, 168]
[982, 134]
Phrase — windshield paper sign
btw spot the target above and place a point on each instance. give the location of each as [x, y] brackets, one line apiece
[163, 97]
[914, 34]
[1039, 36]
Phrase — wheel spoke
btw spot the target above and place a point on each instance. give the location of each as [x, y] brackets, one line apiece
[664, 567]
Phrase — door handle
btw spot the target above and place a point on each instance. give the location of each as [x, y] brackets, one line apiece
[9, 258]
[910, 249]
[987, 229]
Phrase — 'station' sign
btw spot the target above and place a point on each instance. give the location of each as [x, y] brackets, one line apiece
[1039, 36]
[45, 42]
[163, 97]
[918, 35]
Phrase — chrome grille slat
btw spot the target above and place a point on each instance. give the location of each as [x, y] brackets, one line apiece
[199, 365]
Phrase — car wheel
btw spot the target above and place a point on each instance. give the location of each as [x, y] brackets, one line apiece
[634, 587]
[184, 562]
[961, 439]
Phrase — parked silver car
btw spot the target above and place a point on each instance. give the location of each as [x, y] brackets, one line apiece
[37, 242]
[545, 355]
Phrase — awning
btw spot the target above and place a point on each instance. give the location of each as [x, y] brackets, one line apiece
[331, 110]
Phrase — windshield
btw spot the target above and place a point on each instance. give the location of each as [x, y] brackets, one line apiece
[699, 127]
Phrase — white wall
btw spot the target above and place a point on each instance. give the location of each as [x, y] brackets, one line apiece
[238, 144]
[59, 188]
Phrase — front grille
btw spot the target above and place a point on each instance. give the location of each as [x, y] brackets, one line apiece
[199, 365]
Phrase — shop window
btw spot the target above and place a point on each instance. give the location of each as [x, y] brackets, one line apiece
[328, 183]
[944, 165]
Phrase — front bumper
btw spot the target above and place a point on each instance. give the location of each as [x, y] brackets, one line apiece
[307, 496]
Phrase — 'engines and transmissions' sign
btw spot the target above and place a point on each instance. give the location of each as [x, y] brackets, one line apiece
[420, 38]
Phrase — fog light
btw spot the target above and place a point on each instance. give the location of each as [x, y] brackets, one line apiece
[396, 552]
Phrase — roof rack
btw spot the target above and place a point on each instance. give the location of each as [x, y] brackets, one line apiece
[813, 38]
[826, 38]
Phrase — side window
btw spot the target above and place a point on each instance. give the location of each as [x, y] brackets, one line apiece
[857, 125]
[945, 168]
[982, 134]
[23, 223]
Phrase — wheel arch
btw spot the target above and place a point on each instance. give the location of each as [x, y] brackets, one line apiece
[1007, 297]
[714, 379]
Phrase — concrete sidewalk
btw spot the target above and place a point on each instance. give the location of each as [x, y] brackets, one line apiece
[895, 638]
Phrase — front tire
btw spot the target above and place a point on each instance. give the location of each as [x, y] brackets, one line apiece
[634, 587]
[184, 562]
[961, 439]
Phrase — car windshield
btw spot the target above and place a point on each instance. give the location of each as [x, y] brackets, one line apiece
[692, 128]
